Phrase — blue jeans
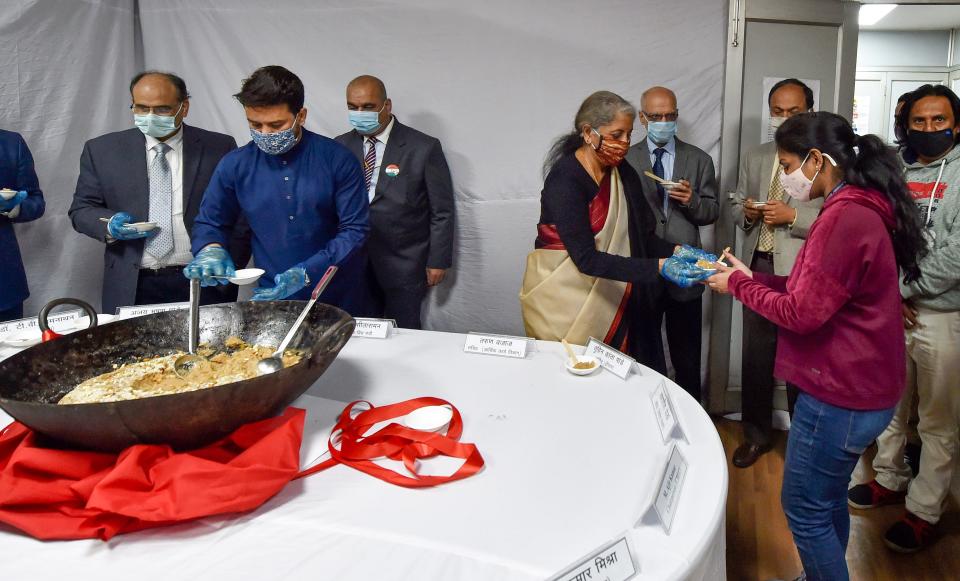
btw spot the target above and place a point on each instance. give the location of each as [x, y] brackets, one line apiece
[823, 448]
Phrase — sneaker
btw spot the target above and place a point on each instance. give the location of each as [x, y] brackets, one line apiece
[872, 495]
[910, 534]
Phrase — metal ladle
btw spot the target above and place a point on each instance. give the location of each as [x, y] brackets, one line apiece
[274, 363]
[185, 363]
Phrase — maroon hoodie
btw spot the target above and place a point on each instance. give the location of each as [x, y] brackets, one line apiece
[840, 335]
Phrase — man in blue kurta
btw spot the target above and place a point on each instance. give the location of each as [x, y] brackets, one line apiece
[302, 194]
[21, 202]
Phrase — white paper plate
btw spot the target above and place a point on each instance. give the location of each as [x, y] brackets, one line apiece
[432, 418]
[246, 276]
[143, 226]
[582, 359]
[31, 337]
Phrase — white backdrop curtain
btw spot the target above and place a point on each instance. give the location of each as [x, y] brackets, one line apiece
[495, 81]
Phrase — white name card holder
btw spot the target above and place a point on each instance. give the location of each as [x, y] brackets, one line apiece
[666, 413]
[140, 310]
[374, 328]
[499, 345]
[10, 327]
[614, 561]
[665, 503]
[610, 359]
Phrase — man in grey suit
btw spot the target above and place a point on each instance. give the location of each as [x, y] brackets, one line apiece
[680, 211]
[411, 202]
[156, 172]
[774, 227]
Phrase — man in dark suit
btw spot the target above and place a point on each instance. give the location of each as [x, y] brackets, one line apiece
[680, 211]
[155, 172]
[411, 202]
[22, 202]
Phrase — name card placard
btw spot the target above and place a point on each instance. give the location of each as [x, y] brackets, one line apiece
[614, 561]
[373, 328]
[610, 359]
[140, 310]
[671, 486]
[665, 412]
[499, 345]
[55, 321]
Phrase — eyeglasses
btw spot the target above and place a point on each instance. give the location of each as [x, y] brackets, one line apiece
[661, 116]
[163, 110]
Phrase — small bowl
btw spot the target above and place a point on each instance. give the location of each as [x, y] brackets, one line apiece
[582, 359]
[246, 276]
[670, 185]
[7, 194]
[431, 418]
[143, 226]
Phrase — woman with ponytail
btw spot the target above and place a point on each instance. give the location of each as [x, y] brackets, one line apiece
[841, 338]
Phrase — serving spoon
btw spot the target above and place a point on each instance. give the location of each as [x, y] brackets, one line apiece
[269, 365]
[185, 363]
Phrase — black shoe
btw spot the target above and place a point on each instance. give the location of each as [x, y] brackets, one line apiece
[748, 453]
[910, 534]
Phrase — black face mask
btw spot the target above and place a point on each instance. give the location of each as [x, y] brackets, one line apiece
[930, 144]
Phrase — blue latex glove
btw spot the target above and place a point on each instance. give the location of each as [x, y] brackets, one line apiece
[691, 255]
[209, 262]
[683, 274]
[286, 283]
[118, 229]
[9, 205]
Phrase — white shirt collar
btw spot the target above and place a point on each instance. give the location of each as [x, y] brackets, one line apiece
[383, 137]
[174, 142]
[670, 146]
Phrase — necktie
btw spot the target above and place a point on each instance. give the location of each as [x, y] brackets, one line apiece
[370, 161]
[161, 203]
[658, 170]
[765, 242]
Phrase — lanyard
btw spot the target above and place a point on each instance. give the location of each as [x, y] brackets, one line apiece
[933, 193]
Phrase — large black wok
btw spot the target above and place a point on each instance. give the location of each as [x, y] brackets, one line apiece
[31, 382]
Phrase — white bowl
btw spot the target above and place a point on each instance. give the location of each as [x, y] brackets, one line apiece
[582, 359]
[143, 226]
[7, 194]
[31, 337]
[431, 418]
[246, 276]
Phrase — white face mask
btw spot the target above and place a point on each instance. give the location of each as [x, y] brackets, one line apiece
[776, 122]
[796, 183]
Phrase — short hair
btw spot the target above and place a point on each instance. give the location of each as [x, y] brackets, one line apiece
[272, 85]
[179, 84]
[903, 119]
[807, 92]
[370, 79]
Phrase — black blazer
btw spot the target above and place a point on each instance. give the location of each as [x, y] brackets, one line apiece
[682, 225]
[412, 212]
[113, 178]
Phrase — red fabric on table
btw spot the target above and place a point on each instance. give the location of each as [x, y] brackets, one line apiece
[66, 494]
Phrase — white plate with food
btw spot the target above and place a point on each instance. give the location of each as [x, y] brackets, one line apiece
[30, 337]
[585, 365]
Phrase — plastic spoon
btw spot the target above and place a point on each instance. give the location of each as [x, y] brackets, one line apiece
[274, 363]
[185, 363]
[570, 353]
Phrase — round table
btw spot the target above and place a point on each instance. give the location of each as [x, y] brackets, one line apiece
[571, 464]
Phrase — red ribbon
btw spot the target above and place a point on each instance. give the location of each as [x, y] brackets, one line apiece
[397, 442]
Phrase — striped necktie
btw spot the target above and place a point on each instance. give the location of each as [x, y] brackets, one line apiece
[161, 203]
[765, 242]
[370, 161]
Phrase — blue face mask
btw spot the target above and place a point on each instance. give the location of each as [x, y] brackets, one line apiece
[157, 125]
[365, 122]
[275, 143]
[660, 132]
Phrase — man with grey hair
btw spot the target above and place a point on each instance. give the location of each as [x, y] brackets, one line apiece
[411, 202]
[680, 208]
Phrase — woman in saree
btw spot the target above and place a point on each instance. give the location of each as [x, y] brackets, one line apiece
[596, 260]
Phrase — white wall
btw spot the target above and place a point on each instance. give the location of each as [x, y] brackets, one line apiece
[914, 48]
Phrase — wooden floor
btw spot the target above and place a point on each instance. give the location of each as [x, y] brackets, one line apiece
[759, 545]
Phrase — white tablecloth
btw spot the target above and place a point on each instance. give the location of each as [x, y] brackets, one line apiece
[571, 462]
